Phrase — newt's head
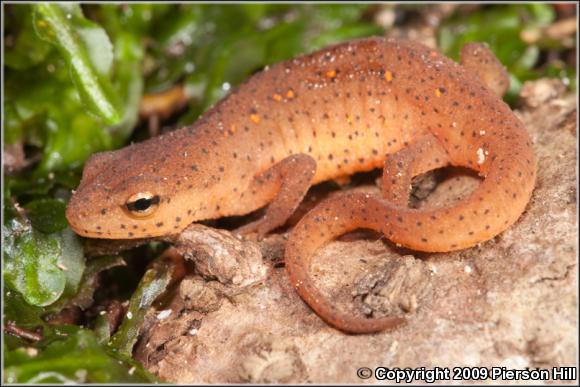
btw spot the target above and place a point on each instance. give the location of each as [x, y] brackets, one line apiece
[122, 197]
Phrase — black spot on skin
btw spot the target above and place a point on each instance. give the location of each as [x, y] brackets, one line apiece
[103, 211]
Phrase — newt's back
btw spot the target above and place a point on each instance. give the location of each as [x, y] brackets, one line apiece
[347, 107]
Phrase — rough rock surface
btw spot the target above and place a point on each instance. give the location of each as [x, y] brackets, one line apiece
[511, 301]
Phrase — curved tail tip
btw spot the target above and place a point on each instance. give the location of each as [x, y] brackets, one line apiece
[357, 325]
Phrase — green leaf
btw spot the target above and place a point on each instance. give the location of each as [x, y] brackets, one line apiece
[73, 136]
[42, 267]
[47, 215]
[87, 68]
[152, 285]
[48, 114]
[72, 262]
[30, 265]
[214, 57]
[344, 33]
[26, 50]
[129, 82]
[43, 106]
[71, 355]
[543, 13]
[529, 57]
[126, 26]
[20, 185]
[16, 309]
[102, 329]
[12, 124]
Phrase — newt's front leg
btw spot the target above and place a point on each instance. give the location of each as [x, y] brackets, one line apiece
[293, 177]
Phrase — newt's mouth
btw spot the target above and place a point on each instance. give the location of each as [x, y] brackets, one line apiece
[80, 220]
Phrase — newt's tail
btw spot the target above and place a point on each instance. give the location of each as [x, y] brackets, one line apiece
[495, 205]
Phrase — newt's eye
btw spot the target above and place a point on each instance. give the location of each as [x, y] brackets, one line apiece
[142, 204]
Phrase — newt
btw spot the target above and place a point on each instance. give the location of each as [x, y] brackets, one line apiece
[352, 107]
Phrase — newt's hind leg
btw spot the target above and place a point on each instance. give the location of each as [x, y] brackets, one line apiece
[293, 176]
[482, 61]
[419, 157]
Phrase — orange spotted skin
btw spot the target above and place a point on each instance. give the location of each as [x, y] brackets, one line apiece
[351, 107]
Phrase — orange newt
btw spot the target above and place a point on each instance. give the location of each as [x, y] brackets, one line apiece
[352, 107]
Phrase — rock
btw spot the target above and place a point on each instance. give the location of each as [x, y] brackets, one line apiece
[395, 287]
[265, 359]
[218, 254]
[535, 93]
[199, 295]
